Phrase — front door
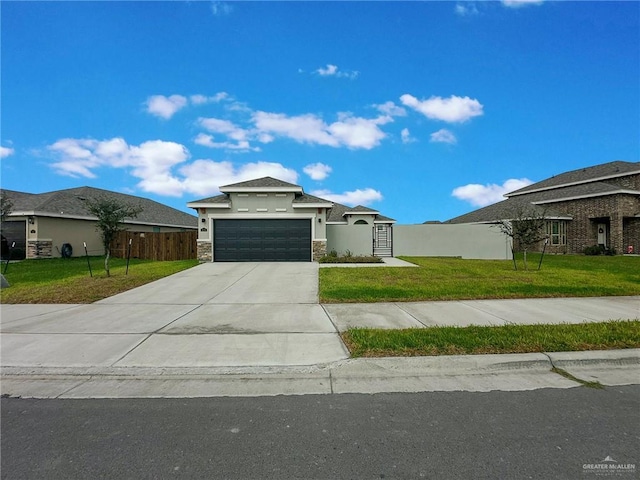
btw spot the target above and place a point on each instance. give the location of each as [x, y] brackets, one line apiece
[602, 234]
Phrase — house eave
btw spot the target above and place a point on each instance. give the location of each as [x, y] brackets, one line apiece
[312, 205]
[570, 184]
[260, 189]
[208, 205]
[588, 195]
[126, 221]
[374, 212]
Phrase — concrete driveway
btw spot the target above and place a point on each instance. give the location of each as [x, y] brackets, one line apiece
[213, 315]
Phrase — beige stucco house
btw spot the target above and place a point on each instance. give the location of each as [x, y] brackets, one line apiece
[40, 224]
[267, 219]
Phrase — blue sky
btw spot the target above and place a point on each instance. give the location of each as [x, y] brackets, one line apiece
[422, 110]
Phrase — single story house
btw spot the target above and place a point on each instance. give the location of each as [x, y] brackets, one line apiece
[598, 205]
[268, 219]
[40, 224]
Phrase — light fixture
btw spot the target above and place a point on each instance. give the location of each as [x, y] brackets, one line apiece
[32, 220]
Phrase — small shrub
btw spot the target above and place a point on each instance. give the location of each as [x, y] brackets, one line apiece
[599, 250]
[349, 259]
[593, 250]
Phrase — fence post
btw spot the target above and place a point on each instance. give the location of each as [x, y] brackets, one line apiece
[128, 257]
[86, 254]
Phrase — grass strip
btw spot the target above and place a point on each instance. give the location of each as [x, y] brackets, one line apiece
[475, 340]
[462, 279]
[68, 280]
[566, 374]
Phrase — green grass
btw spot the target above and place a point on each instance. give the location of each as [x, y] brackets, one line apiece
[365, 342]
[458, 279]
[68, 281]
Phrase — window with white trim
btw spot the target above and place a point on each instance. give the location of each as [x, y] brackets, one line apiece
[557, 232]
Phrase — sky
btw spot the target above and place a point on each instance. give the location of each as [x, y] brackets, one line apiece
[421, 110]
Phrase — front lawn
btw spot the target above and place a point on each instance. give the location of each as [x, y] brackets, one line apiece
[458, 279]
[367, 342]
[67, 280]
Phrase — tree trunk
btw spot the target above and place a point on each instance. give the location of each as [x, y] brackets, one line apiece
[106, 262]
[525, 259]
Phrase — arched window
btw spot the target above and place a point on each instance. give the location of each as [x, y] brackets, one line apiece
[361, 222]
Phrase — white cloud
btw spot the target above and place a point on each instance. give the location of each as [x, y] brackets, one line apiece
[200, 99]
[203, 177]
[466, 9]
[406, 136]
[317, 171]
[241, 146]
[521, 3]
[349, 131]
[328, 70]
[221, 8]
[443, 136]
[303, 128]
[391, 109]
[150, 161]
[483, 195]
[357, 132]
[225, 127]
[165, 107]
[6, 151]
[154, 163]
[453, 109]
[333, 71]
[355, 197]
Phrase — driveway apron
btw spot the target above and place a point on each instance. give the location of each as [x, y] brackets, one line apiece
[213, 315]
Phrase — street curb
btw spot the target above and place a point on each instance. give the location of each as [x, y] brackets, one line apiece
[480, 373]
[373, 366]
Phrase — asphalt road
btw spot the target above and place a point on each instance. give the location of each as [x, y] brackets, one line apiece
[549, 433]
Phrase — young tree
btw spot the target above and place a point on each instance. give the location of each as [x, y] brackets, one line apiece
[526, 229]
[6, 206]
[110, 213]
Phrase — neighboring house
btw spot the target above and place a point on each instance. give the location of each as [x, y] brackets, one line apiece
[597, 205]
[267, 219]
[40, 224]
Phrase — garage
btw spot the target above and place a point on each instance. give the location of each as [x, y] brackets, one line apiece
[262, 240]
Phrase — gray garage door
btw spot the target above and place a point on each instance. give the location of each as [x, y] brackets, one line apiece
[262, 240]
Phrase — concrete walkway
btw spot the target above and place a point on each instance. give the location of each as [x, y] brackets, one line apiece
[257, 329]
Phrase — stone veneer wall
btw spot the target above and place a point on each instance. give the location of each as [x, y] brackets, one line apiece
[204, 252]
[39, 249]
[319, 249]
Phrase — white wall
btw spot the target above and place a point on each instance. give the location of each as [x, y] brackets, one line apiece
[430, 240]
[460, 240]
[358, 239]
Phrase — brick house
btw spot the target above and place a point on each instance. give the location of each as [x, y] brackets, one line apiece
[597, 205]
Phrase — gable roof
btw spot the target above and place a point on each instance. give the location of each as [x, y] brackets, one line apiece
[540, 197]
[335, 211]
[261, 184]
[361, 209]
[70, 203]
[596, 173]
[505, 210]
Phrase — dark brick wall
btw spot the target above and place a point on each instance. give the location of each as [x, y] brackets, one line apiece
[587, 213]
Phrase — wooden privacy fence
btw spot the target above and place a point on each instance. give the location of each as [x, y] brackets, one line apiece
[156, 246]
